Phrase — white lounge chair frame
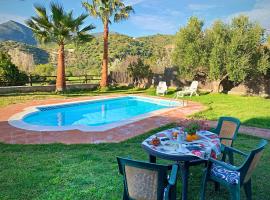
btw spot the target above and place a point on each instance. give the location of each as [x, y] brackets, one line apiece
[162, 88]
[192, 89]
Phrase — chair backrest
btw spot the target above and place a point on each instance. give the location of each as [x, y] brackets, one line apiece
[144, 181]
[228, 128]
[251, 162]
[194, 86]
[162, 84]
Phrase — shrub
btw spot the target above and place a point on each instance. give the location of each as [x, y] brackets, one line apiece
[10, 75]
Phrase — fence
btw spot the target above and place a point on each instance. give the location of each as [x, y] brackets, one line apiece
[36, 80]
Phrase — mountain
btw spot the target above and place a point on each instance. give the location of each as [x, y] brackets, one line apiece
[15, 31]
[23, 55]
[86, 58]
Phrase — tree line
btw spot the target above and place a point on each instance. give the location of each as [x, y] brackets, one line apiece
[232, 51]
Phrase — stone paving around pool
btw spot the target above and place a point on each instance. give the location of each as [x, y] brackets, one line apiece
[12, 135]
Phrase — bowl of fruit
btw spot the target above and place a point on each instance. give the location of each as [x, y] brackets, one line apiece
[155, 141]
[191, 130]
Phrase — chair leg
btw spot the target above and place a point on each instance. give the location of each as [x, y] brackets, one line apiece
[203, 187]
[217, 186]
[173, 193]
[248, 190]
[235, 192]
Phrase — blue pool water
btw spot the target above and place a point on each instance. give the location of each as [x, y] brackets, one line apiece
[95, 113]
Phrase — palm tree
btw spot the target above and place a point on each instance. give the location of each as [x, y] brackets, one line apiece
[59, 27]
[105, 10]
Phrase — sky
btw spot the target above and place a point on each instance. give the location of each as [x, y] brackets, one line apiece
[153, 16]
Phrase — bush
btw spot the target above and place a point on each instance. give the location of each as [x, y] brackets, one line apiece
[44, 70]
[10, 75]
[140, 72]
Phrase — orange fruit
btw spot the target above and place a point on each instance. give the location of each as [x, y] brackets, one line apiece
[189, 138]
[175, 134]
[195, 137]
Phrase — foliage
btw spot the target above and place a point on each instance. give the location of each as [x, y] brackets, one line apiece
[152, 49]
[10, 75]
[243, 53]
[189, 53]
[105, 10]
[192, 125]
[192, 128]
[44, 70]
[233, 51]
[139, 71]
[60, 27]
[219, 37]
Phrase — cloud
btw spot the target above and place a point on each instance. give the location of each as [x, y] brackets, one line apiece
[4, 17]
[200, 7]
[154, 23]
[259, 13]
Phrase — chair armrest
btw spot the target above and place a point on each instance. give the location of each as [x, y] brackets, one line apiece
[173, 175]
[233, 150]
[223, 164]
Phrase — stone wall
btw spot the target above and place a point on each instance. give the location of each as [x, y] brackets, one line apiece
[46, 88]
[254, 86]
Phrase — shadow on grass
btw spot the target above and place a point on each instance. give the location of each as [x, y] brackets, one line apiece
[262, 122]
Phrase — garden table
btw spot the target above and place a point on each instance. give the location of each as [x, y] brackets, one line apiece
[184, 153]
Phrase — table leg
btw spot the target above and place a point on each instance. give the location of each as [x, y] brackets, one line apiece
[152, 159]
[184, 173]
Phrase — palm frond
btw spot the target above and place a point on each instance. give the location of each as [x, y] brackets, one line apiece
[91, 8]
[88, 28]
[123, 13]
[57, 13]
[60, 27]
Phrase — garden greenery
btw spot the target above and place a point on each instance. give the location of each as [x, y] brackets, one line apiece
[231, 51]
[10, 75]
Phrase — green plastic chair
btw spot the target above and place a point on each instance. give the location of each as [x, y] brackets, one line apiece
[147, 181]
[227, 130]
[232, 177]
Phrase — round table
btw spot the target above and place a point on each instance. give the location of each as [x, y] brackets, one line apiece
[184, 161]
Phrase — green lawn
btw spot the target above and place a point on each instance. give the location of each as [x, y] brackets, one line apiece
[90, 171]
[252, 111]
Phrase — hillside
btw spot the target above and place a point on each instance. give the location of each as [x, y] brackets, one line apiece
[23, 55]
[15, 31]
[86, 58]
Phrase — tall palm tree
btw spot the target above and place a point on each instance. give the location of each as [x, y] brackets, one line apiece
[59, 27]
[105, 10]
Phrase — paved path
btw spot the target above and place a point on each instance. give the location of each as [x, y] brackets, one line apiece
[12, 135]
[258, 132]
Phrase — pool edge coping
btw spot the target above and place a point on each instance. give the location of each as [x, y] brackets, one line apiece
[16, 120]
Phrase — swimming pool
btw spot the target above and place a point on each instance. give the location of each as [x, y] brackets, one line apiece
[91, 115]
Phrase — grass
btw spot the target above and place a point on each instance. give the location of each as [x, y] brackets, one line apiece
[90, 171]
[252, 111]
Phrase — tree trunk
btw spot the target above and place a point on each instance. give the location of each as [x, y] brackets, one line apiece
[104, 70]
[216, 86]
[61, 79]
